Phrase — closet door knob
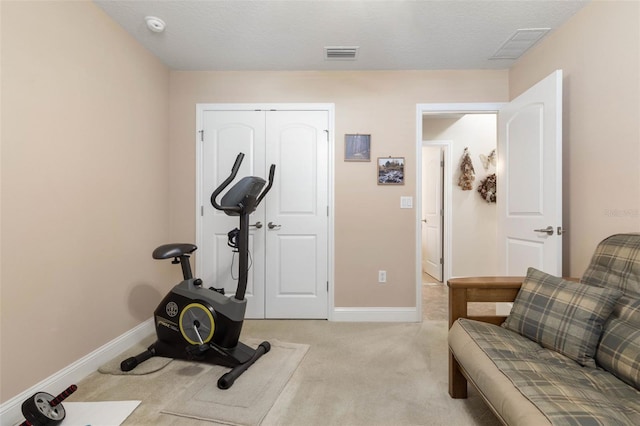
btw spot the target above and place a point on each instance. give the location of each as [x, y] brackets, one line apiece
[548, 230]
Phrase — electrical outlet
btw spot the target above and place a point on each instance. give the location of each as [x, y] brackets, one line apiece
[382, 276]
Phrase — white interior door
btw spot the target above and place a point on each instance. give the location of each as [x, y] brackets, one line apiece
[226, 133]
[297, 215]
[432, 174]
[529, 180]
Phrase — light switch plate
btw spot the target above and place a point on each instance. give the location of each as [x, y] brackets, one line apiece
[406, 202]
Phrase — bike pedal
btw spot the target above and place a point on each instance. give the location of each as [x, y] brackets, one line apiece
[197, 350]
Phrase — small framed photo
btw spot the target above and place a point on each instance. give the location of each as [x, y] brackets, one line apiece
[390, 170]
[357, 147]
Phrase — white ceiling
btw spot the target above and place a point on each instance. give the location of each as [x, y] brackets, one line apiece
[292, 34]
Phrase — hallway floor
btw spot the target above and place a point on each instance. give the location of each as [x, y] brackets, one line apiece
[435, 301]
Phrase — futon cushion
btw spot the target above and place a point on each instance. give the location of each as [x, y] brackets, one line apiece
[563, 391]
[616, 264]
[628, 309]
[619, 351]
[560, 315]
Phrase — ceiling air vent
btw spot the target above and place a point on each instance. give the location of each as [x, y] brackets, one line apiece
[520, 42]
[341, 53]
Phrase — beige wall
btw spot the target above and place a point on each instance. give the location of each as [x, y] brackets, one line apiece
[98, 166]
[598, 51]
[85, 174]
[473, 220]
[371, 231]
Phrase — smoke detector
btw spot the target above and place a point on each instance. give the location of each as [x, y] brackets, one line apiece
[155, 24]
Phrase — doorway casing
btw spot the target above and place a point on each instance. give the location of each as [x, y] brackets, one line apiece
[439, 109]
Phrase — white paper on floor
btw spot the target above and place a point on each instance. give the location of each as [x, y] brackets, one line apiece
[104, 413]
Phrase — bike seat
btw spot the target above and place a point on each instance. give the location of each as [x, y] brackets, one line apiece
[168, 251]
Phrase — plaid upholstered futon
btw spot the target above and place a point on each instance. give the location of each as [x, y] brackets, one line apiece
[569, 353]
[565, 392]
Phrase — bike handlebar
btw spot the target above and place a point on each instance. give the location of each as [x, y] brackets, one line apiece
[272, 172]
[223, 185]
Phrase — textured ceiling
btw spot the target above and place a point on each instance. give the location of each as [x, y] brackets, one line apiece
[292, 34]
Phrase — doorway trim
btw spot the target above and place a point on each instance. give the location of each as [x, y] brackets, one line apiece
[439, 109]
[330, 108]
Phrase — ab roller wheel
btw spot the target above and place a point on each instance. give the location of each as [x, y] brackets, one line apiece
[43, 409]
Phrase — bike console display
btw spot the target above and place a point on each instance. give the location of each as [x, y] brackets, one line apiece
[244, 196]
[245, 193]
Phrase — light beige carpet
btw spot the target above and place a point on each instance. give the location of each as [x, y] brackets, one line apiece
[354, 374]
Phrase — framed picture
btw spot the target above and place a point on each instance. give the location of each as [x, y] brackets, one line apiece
[357, 147]
[390, 170]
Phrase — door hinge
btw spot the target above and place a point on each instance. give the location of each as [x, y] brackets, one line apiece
[201, 135]
[327, 286]
[441, 261]
[327, 132]
[327, 211]
[201, 210]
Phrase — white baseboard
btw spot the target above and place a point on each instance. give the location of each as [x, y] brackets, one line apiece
[382, 314]
[11, 410]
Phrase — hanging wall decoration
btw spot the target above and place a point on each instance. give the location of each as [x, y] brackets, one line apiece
[487, 188]
[468, 174]
[489, 160]
[390, 170]
[357, 147]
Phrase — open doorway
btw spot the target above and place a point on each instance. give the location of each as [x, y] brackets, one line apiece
[468, 222]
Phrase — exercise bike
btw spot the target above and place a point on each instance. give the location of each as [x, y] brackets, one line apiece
[202, 324]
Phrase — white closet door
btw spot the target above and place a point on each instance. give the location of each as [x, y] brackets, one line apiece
[226, 133]
[289, 264]
[297, 215]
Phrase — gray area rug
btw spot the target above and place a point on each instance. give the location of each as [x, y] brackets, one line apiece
[251, 397]
[149, 366]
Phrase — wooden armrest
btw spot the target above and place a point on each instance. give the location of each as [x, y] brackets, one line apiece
[475, 289]
[480, 289]
[483, 289]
